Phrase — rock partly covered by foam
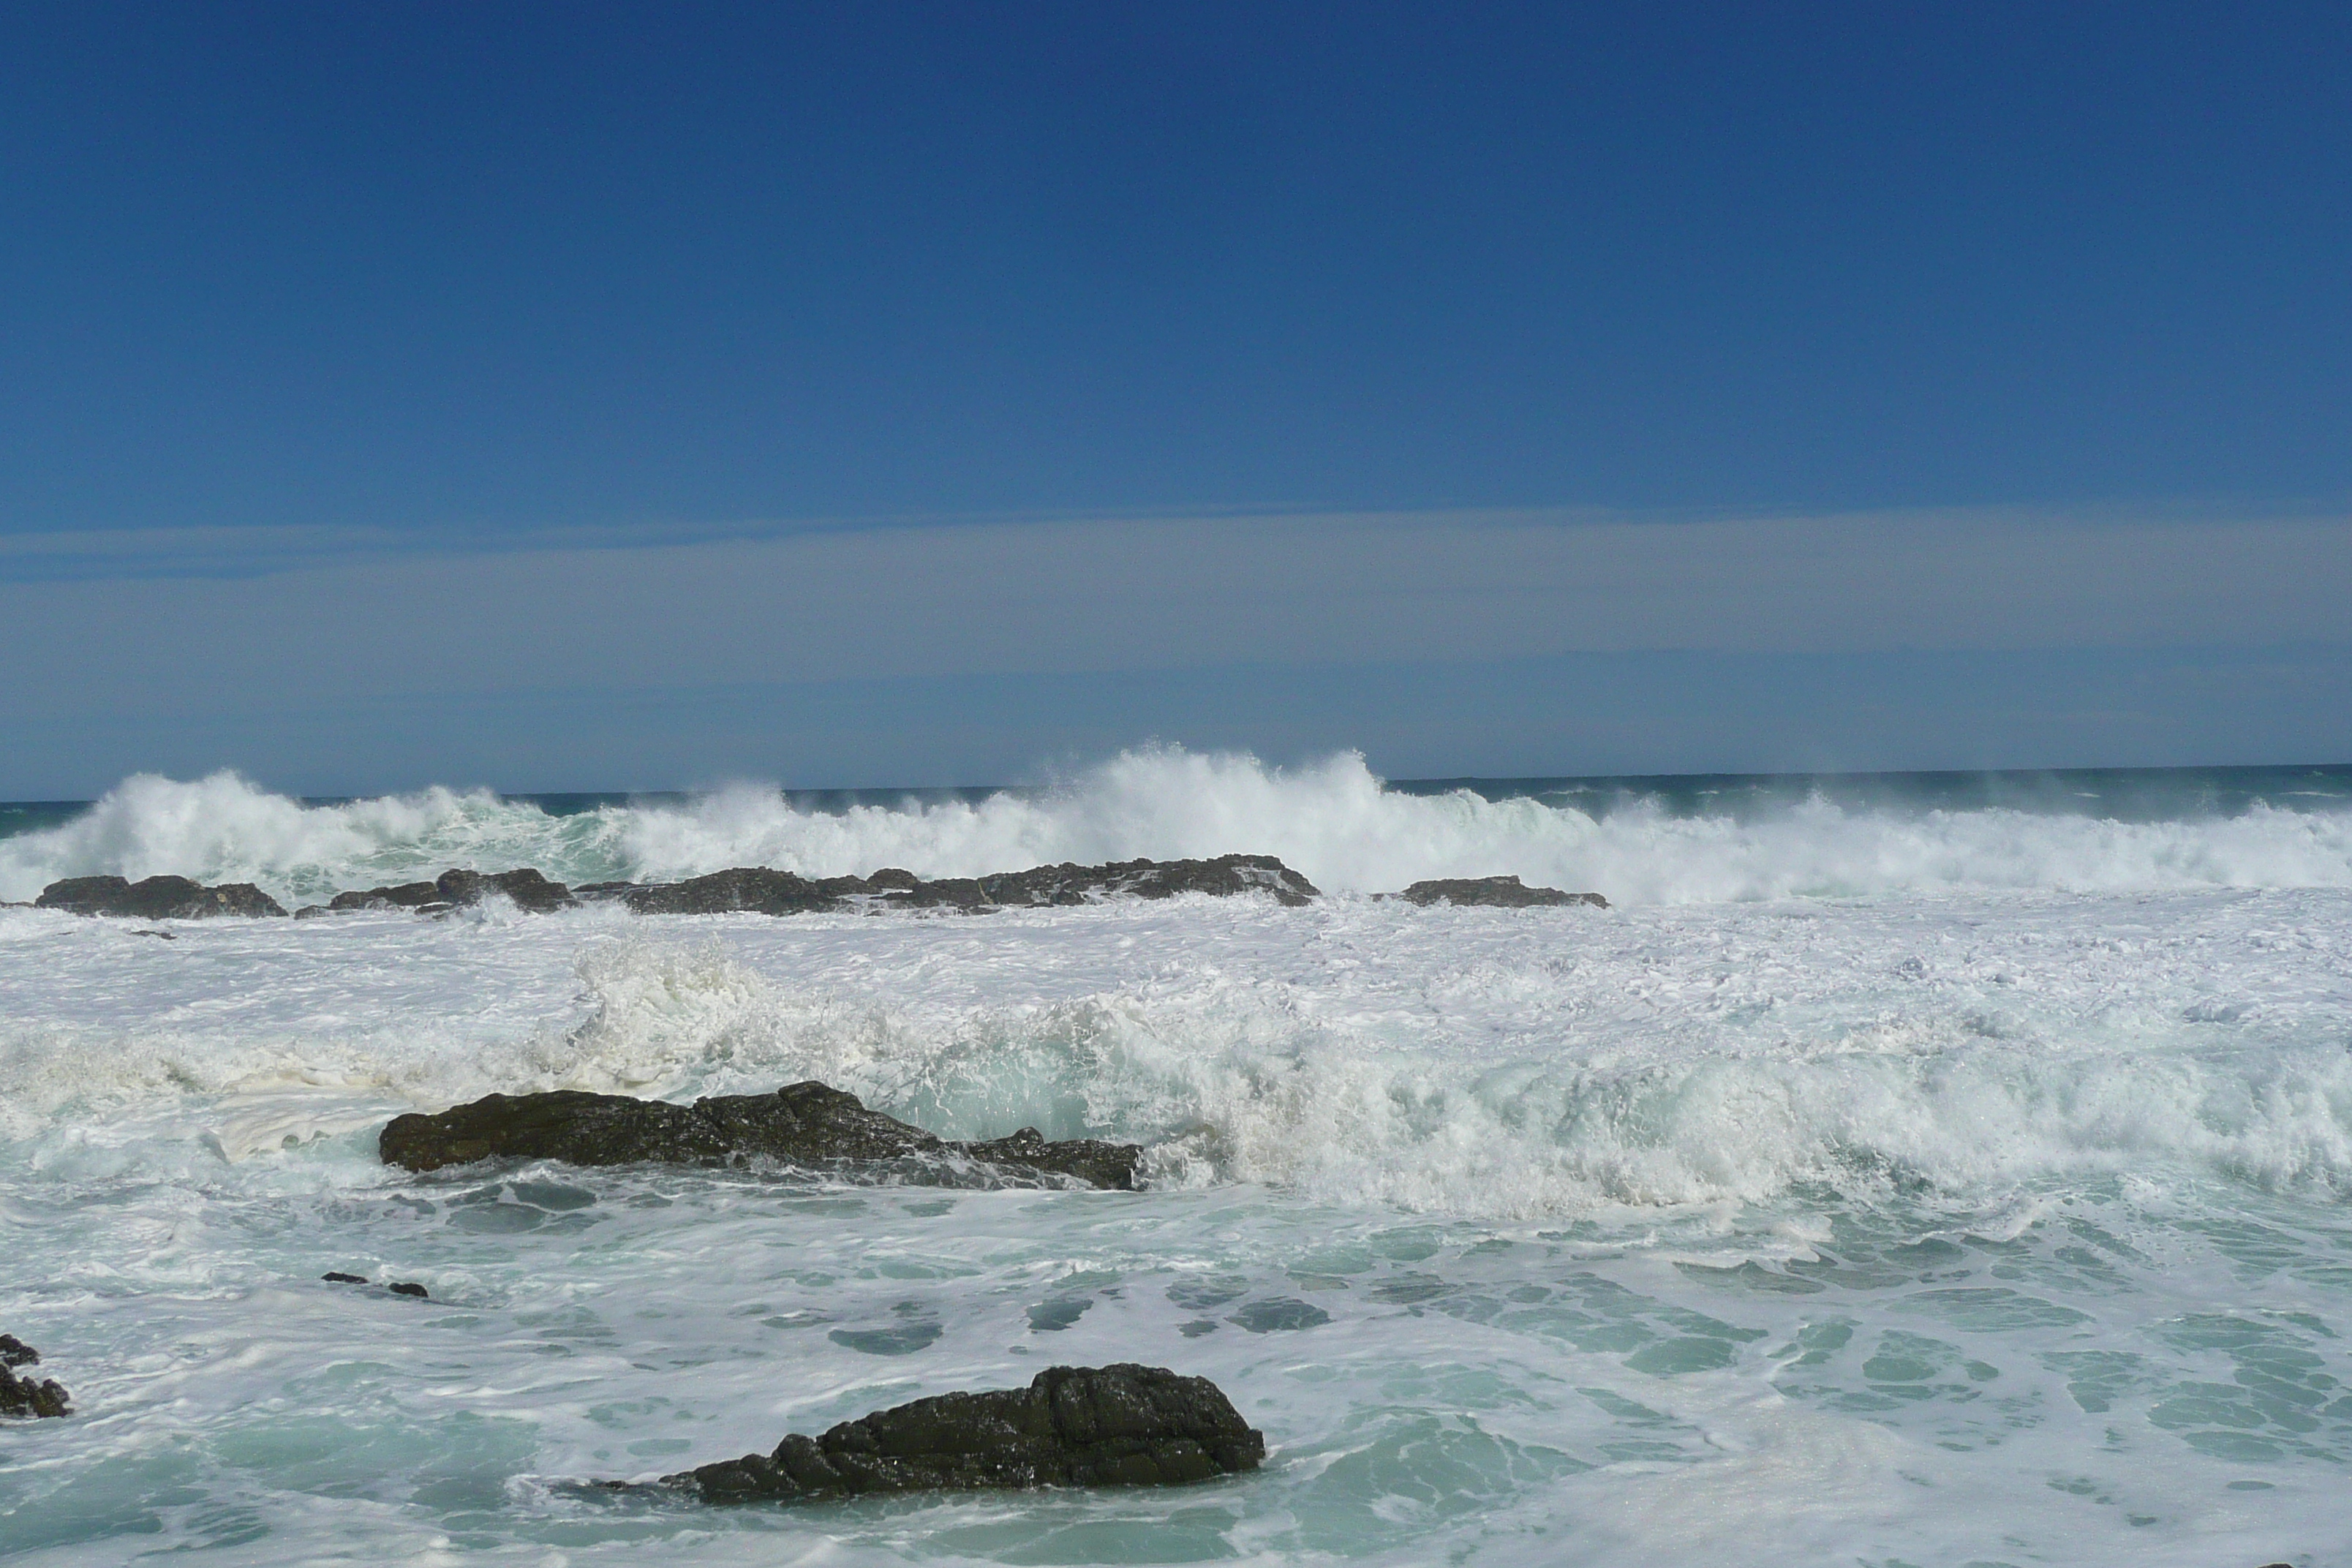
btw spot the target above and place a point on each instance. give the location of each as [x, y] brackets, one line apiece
[155, 898]
[526, 888]
[26, 1396]
[1493, 892]
[801, 1124]
[1072, 1427]
[761, 889]
[1221, 877]
[755, 889]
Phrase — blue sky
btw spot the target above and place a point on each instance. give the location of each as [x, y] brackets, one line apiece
[605, 396]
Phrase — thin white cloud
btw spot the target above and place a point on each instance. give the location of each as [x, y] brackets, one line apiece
[1137, 594]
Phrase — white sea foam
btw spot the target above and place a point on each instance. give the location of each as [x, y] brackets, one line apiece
[1999, 1226]
[1491, 1065]
[1332, 820]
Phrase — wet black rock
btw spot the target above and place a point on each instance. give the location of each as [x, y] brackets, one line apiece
[1493, 892]
[26, 1396]
[333, 1277]
[805, 1124]
[1072, 1427]
[527, 888]
[409, 1287]
[1222, 877]
[403, 896]
[760, 891]
[753, 889]
[155, 898]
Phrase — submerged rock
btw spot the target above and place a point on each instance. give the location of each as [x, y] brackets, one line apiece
[1072, 1427]
[155, 898]
[801, 1124]
[1493, 892]
[26, 1395]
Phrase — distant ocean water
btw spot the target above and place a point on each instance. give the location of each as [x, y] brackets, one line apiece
[1906, 1169]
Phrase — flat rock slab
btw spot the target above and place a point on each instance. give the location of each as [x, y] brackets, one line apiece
[807, 1124]
[1072, 1427]
[26, 1396]
[1493, 892]
[155, 898]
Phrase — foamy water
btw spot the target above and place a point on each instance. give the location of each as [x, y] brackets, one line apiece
[1869, 1185]
[1334, 821]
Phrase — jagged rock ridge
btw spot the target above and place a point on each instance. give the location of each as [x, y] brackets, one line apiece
[155, 898]
[808, 1124]
[761, 889]
[1072, 1426]
[26, 1396]
[1493, 892]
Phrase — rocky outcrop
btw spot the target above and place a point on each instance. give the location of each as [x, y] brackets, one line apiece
[453, 890]
[1221, 877]
[26, 1396]
[807, 1124]
[1072, 1427]
[755, 889]
[1493, 892]
[155, 898]
[762, 890]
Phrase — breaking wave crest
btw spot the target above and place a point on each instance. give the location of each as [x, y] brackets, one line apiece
[1333, 820]
[1245, 1090]
[1239, 1088]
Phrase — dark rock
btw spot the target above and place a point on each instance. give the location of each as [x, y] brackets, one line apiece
[1072, 1427]
[161, 935]
[760, 891]
[26, 1396]
[333, 1277]
[155, 898]
[405, 896]
[1222, 877]
[409, 1287]
[312, 912]
[1493, 892]
[527, 888]
[801, 1124]
[754, 889]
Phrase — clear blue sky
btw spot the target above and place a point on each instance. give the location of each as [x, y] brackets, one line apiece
[367, 281]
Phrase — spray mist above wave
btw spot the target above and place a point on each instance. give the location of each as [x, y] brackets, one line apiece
[1333, 820]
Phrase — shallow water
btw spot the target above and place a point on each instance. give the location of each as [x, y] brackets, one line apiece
[1942, 1223]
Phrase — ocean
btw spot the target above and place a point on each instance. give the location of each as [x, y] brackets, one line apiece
[1903, 1169]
